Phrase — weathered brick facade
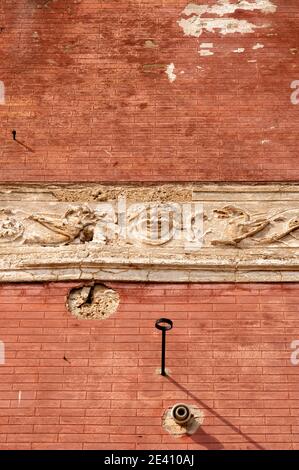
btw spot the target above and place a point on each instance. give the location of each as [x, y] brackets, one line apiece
[93, 384]
[87, 91]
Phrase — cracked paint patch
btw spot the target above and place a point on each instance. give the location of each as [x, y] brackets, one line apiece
[170, 72]
[197, 22]
[2, 93]
[239, 50]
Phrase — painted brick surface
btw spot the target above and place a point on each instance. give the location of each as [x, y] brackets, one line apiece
[83, 384]
[87, 92]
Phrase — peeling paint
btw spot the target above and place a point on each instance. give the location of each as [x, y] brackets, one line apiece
[197, 24]
[205, 52]
[170, 72]
[258, 46]
[2, 353]
[295, 94]
[2, 93]
[206, 45]
[239, 50]
[152, 67]
[295, 354]
[205, 49]
[149, 43]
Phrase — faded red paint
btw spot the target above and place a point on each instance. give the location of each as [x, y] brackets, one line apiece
[94, 103]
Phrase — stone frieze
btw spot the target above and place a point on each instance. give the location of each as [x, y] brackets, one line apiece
[149, 232]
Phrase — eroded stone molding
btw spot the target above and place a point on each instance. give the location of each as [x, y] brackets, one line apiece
[149, 232]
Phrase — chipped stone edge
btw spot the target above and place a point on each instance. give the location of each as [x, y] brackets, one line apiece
[88, 264]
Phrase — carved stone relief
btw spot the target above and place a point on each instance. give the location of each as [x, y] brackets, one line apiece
[271, 228]
[182, 232]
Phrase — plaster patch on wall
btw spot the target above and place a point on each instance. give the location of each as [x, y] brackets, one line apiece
[178, 430]
[170, 72]
[2, 93]
[93, 302]
[197, 23]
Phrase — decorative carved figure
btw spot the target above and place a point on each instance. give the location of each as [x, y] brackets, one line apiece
[240, 225]
[291, 226]
[153, 224]
[78, 222]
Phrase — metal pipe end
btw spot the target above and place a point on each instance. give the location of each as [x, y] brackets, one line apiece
[181, 414]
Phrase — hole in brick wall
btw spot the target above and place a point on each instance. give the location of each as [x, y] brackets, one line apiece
[96, 302]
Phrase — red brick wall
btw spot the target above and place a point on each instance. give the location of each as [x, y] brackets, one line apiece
[81, 94]
[87, 107]
[229, 354]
